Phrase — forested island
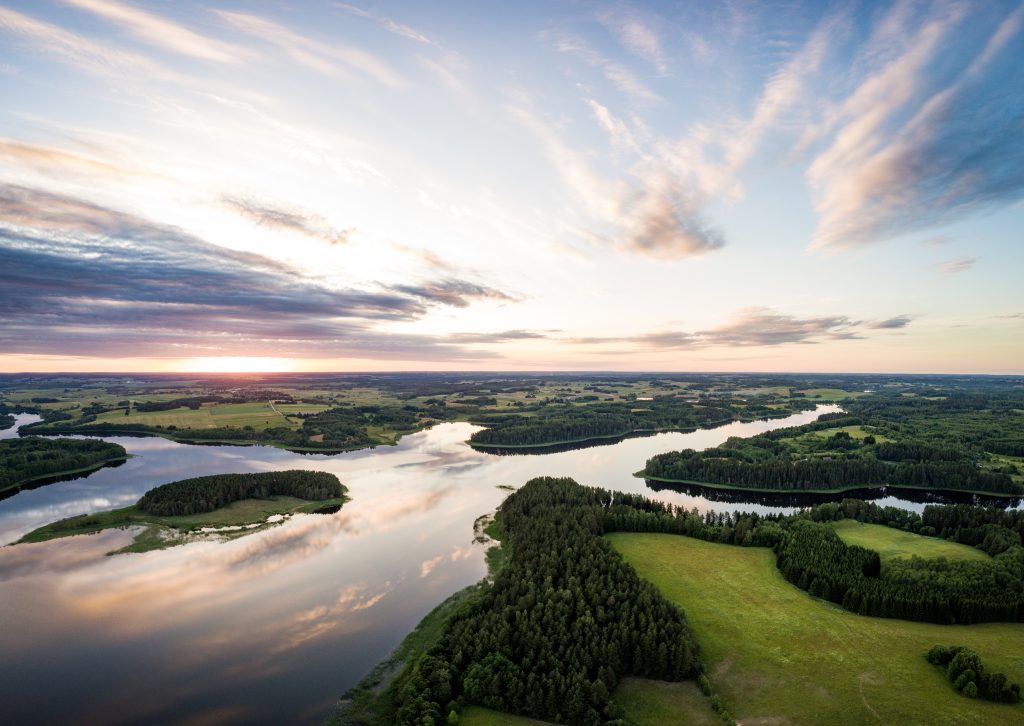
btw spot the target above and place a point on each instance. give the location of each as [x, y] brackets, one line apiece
[35, 458]
[239, 503]
[6, 421]
[566, 619]
[949, 440]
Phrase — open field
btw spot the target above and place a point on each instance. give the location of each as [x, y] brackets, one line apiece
[891, 543]
[652, 703]
[259, 415]
[831, 394]
[774, 654]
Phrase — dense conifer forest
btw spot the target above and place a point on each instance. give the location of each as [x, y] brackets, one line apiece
[207, 493]
[956, 441]
[563, 622]
[34, 457]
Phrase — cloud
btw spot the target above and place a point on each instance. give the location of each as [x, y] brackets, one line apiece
[78, 52]
[455, 292]
[321, 57]
[618, 133]
[664, 222]
[762, 326]
[636, 35]
[287, 220]
[504, 336]
[387, 23]
[617, 74]
[930, 136]
[163, 33]
[958, 265]
[755, 326]
[49, 160]
[900, 321]
[77, 278]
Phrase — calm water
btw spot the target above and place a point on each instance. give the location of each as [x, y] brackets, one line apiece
[273, 627]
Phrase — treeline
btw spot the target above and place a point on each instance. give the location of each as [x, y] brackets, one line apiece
[814, 558]
[207, 493]
[565, 619]
[723, 466]
[6, 421]
[33, 457]
[553, 424]
[965, 670]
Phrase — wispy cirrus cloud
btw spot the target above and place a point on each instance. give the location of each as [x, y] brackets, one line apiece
[162, 32]
[957, 265]
[636, 34]
[326, 58]
[79, 52]
[388, 24]
[287, 219]
[454, 292]
[913, 147]
[617, 74]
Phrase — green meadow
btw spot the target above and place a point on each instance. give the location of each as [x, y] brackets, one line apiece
[776, 655]
[891, 543]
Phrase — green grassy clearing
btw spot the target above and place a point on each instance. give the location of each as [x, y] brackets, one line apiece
[776, 655]
[652, 703]
[258, 415]
[856, 432]
[891, 543]
[479, 716]
[162, 532]
[831, 394]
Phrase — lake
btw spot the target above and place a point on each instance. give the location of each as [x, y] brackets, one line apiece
[271, 628]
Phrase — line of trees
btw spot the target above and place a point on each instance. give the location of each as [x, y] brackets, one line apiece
[556, 423]
[565, 619]
[34, 457]
[207, 493]
[723, 466]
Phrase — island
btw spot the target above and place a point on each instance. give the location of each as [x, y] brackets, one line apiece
[222, 506]
[34, 459]
[929, 436]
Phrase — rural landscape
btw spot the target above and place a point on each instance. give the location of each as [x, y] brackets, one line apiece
[549, 363]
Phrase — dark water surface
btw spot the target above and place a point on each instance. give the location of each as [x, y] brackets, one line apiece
[273, 627]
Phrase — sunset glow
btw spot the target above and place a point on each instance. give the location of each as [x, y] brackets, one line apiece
[318, 186]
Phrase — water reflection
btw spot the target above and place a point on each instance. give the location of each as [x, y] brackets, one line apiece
[903, 496]
[273, 627]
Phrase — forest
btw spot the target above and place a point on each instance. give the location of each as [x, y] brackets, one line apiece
[25, 459]
[6, 421]
[565, 619]
[957, 441]
[207, 493]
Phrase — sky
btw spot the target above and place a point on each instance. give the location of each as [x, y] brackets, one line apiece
[301, 186]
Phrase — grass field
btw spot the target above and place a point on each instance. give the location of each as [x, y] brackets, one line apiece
[892, 543]
[259, 415]
[652, 703]
[856, 432]
[775, 655]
